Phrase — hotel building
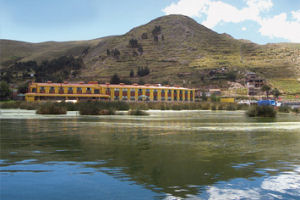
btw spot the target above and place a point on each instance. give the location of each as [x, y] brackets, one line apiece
[94, 91]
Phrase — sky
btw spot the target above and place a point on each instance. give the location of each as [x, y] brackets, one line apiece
[261, 21]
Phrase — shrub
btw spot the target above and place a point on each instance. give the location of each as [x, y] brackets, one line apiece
[20, 104]
[242, 107]
[29, 105]
[213, 107]
[285, 109]
[221, 107]
[89, 109]
[205, 106]
[231, 106]
[107, 112]
[137, 112]
[10, 105]
[296, 110]
[51, 108]
[261, 111]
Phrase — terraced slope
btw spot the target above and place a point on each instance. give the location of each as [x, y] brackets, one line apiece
[176, 49]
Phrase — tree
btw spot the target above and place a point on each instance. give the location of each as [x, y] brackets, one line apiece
[133, 43]
[231, 76]
[140, 49]
[276, 93]
[5, 91]
[23, 88]
[156, 31]
[214, 98]
[116, 53]
[141, 82]
[131, 74]
[144, 36]
[266, 88]
[203, 96]
[115, 79]
[143, 71]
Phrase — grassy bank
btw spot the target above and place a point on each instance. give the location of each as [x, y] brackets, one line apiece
[51, 108]
[109, 108]
[261, 111]
[137, 112]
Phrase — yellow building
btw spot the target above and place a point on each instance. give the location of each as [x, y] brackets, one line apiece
[227, 100]
[95, 91]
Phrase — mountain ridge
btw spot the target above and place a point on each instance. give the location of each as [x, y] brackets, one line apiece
[176, 49]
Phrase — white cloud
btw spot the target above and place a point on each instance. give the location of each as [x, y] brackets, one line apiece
[191, 8]
[220, 194]
[216, 12]
[279, 26]
[287, 183]
[296, 15]
[244, 28]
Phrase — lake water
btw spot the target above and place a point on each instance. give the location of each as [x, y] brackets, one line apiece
[167, 155]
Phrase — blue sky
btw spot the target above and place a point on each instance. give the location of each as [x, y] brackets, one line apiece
[261, 21]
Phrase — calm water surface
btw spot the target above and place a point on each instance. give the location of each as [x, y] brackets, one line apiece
[167, 155]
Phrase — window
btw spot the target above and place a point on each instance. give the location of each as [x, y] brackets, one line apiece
[132, 93]
[147, 92]
[33, 90]
[140, 92]
[132, 98]
[97, 91]
[70, 90]
[175, 95]
[124, 93]
[42, 90]
[52, 90]
[186, 95]
[169, 93]
[180, 95]
[88, 90]
[107, 91]
[116, 93]
[61, 90]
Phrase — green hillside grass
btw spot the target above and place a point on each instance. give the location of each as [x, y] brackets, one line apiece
[184, 52]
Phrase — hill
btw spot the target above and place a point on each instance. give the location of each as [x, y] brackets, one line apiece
[175, 48]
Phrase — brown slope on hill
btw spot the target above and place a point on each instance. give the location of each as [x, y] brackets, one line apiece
[182, 52]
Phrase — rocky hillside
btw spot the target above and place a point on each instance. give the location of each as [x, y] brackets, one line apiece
[175, 48]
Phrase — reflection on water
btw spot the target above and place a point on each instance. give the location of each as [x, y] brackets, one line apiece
[167, 155]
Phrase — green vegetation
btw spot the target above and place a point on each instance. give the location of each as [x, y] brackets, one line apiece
[19, 105]
[137, 112]
[231, 106]
[5, 91]
[51, 108]
[174, 55]
[285, 109]
[296, 110]
[143, 71]
[266, 88]
[115, 79]
[275, 93]
[261, 111]
[131, 74]
[100, 107]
